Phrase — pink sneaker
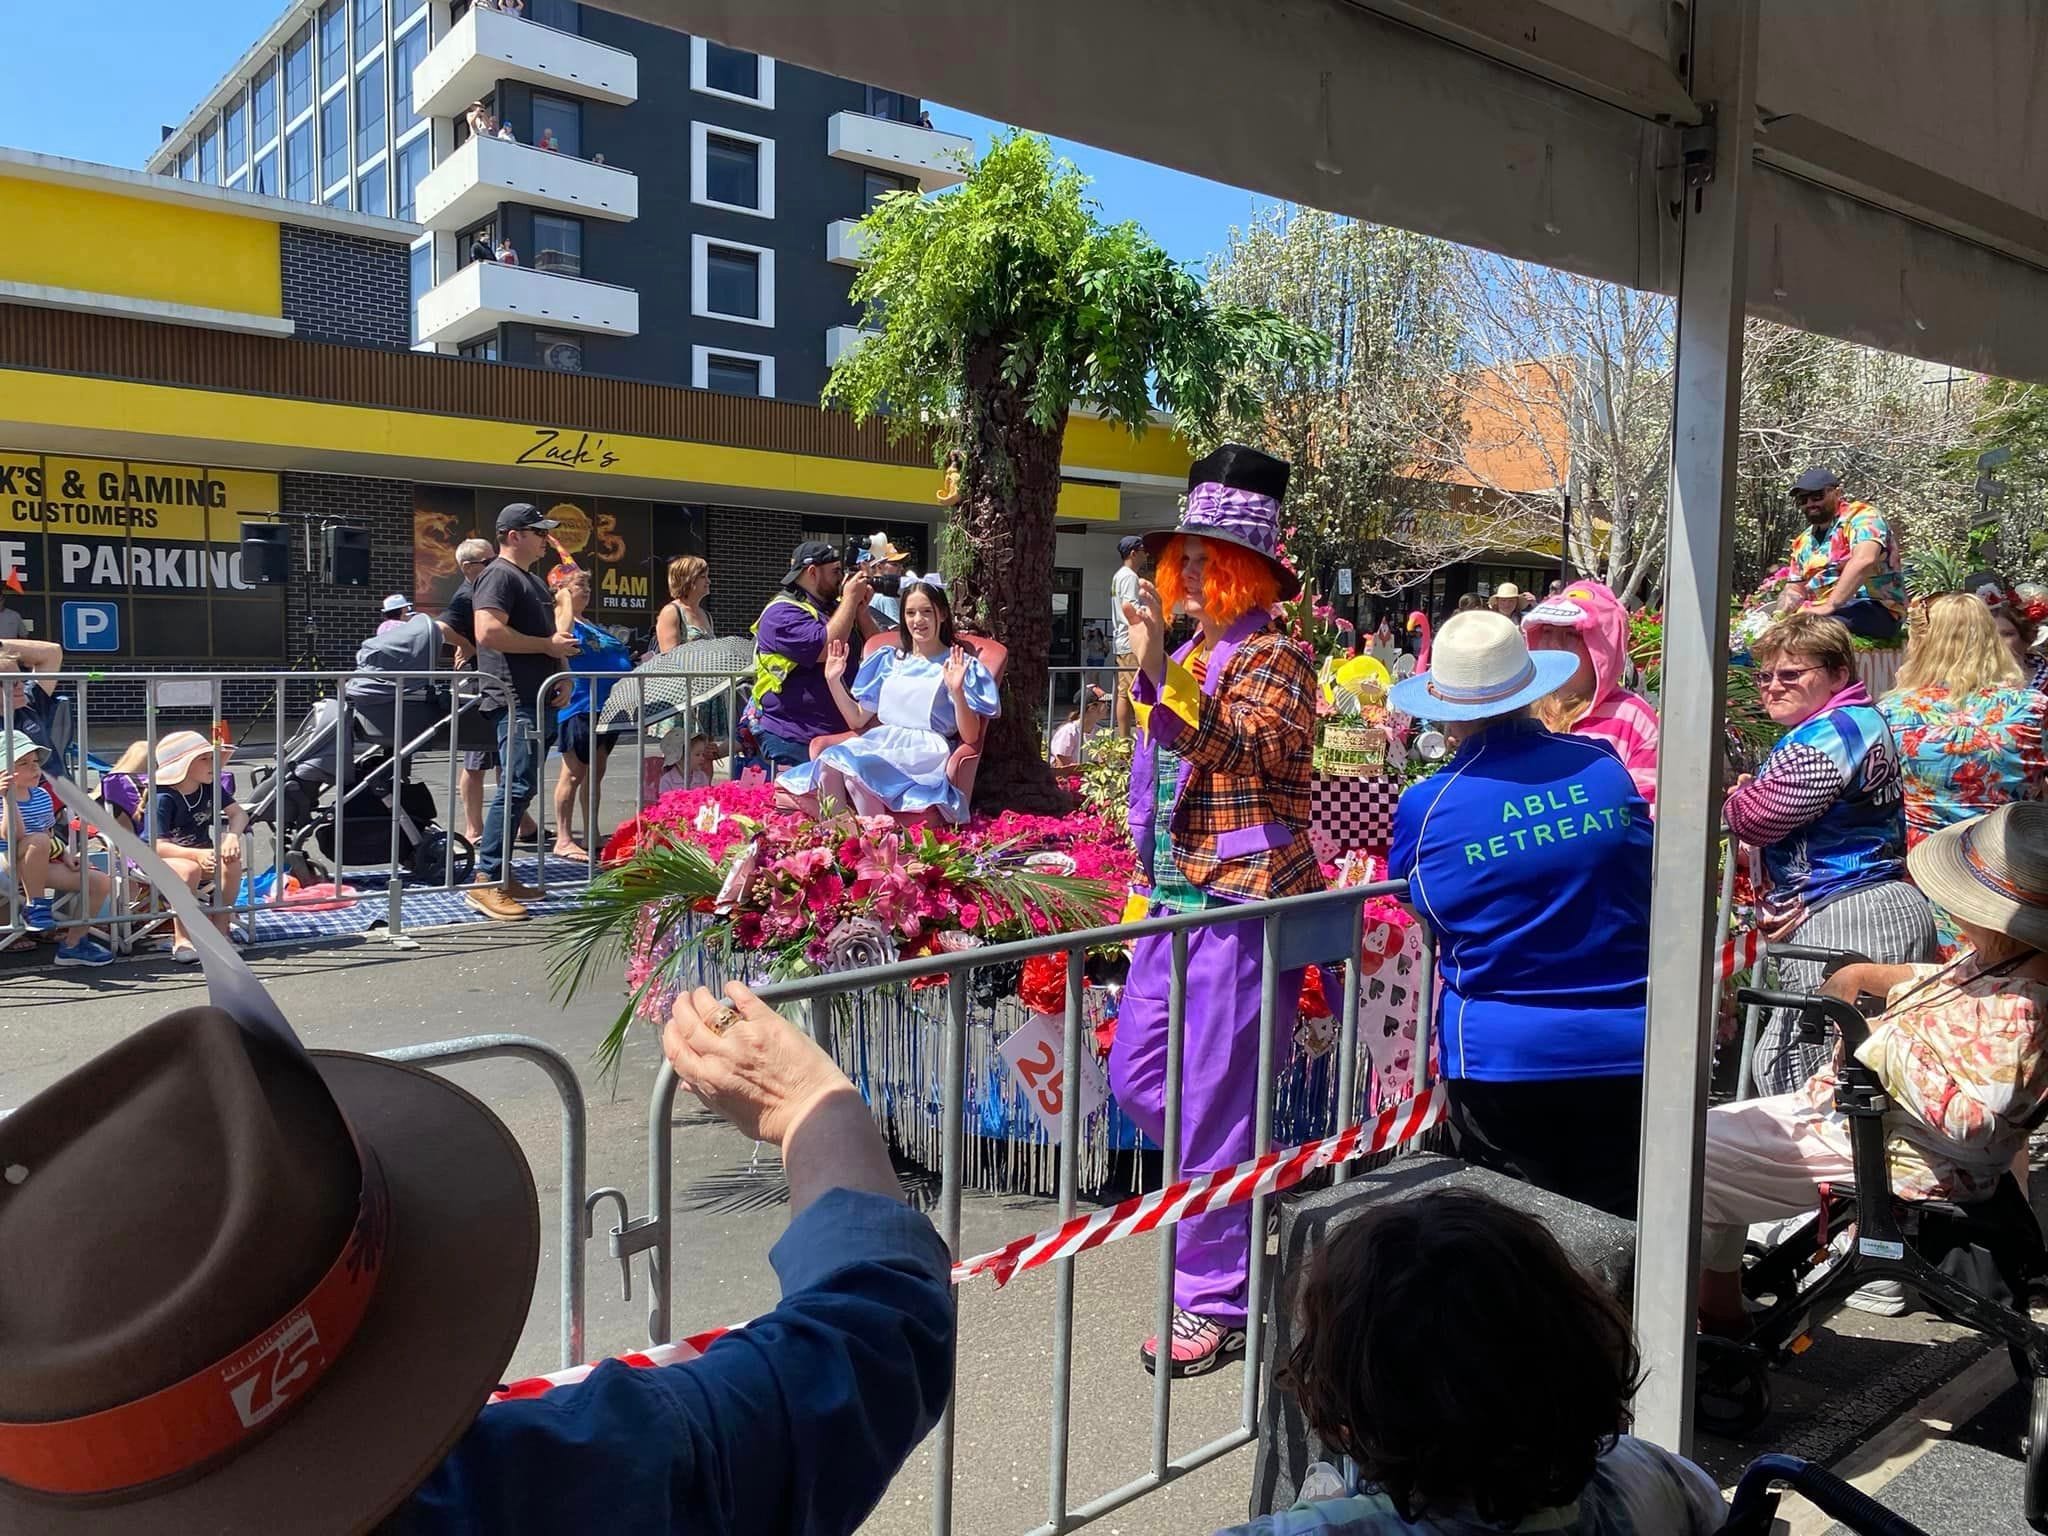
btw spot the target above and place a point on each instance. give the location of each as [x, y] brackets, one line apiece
[1200, 1345]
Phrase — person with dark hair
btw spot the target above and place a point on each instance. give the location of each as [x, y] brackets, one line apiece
[1123, 588]
[912, 704]
[1471, 1379]
[1846, 564]
[817, 604]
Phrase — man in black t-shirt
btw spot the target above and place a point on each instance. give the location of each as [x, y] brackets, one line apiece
[471, 558]
[517, 644]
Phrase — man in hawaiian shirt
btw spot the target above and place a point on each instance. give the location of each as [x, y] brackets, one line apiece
[1846, 563]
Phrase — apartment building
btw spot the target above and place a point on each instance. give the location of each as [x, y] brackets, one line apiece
[695, 230]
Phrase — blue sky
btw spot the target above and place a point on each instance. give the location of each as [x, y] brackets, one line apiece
[96, 80]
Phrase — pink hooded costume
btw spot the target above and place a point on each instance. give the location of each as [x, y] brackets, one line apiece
[1624, 720]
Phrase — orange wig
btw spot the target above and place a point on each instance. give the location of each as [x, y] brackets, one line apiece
[1234, 581]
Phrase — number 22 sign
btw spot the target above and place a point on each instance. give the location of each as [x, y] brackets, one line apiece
[1034, 1055]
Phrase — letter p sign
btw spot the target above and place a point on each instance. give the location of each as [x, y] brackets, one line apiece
[90, 627]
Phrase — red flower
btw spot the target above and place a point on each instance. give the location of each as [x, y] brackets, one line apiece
[1044, 985]
[1314, 1005]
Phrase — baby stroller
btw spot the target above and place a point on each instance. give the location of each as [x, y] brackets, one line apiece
[1973, 1263]
[343, 780]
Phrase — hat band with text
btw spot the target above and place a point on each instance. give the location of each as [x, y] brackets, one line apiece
[1247, 516]
[218, 1406]
[1487, 693]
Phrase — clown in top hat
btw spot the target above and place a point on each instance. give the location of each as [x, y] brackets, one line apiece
[1219, 810]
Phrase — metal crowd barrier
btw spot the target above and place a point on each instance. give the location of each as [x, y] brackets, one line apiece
[418, 725]
[1296, 931]
[1107, 677]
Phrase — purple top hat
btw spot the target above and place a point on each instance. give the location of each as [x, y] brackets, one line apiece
[1234, 495]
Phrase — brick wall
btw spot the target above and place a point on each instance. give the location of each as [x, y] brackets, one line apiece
[345, 287]
[748, 551]
[343, 617]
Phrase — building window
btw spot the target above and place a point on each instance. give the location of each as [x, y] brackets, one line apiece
[404, 10]
[557, 245]
[558, 123]
[562, 15]
[188, 162]
[412, 170]
[893, 105]
[337, 197]
[732, 373]
[370, 111]
[732, 170]
[263, 173]
[407, 53]
[263, 108]
[372, 192]
[877, 185]
[298, 163]
[209, 157]
[422, 279]
[483, 350]
[334, 139]
[235, 135]
[562, 353]
[732, 282]
[333, 42]
[298, 74]
[477, 243]
[717, 70]
[369, 26]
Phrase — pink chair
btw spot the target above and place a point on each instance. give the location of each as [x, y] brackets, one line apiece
[965, 760]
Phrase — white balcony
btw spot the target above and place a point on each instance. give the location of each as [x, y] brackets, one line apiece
[842, 339]
[844, 243]
[488, 46]
[467, 187]
[935, 159]
[485, 295]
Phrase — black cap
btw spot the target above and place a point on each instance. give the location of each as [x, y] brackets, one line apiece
[523, 514]
[1128, 545]
[1815, 480]
[812, 552]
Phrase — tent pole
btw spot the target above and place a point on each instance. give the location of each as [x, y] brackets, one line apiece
[1711, 283]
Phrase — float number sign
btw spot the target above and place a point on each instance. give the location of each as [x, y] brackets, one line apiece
[1036, 1058]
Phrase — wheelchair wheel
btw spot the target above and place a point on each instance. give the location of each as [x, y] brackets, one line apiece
[2036, 1493]
[1732, 1389]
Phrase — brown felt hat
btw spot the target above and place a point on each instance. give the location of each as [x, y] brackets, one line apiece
[248, 1288]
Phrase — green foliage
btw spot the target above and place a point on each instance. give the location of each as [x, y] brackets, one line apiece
[1081, 313]
[1931, 572]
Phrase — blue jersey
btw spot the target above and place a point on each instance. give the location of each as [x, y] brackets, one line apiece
[1528, 855]
[1860, 839]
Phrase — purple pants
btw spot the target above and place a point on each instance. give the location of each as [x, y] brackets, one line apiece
[1219, 1088]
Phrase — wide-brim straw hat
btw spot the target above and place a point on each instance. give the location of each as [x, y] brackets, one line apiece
[175, 752]
[1480, 668]
[1992, 871]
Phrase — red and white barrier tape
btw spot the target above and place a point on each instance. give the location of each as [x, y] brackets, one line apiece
[1237, 1185]
[1209, 1192]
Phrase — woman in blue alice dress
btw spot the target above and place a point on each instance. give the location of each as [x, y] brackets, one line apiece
[913, 704]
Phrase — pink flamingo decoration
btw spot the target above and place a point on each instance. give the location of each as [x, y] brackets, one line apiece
[1418, 620]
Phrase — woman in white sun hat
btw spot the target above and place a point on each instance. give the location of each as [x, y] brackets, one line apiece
[1528, 854]
[1962, 1050]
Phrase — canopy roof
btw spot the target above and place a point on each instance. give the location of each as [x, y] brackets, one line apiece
[1903, 200]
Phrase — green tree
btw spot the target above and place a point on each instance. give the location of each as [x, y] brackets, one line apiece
[1368, 429]
[997, 308]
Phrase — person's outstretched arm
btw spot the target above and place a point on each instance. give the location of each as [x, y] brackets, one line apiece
[790, 1426]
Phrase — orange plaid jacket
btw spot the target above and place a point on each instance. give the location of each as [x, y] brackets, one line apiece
[1245, 733]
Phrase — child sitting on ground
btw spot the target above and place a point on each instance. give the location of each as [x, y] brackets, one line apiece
[188, 772]
[1473, 1381]
[688, 762]
[1083, 720]
[37, 861]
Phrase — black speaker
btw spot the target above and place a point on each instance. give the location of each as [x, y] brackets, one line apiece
[345, 556]
[266, 554]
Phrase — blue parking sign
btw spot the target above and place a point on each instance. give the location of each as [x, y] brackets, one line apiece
[92, 627]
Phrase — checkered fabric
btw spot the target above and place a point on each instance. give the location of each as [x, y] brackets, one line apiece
[1351, 815]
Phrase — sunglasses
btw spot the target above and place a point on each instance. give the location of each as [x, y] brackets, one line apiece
[1783, 677]
[1808, 498]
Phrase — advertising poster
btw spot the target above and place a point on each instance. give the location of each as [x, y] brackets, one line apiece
[125, 559]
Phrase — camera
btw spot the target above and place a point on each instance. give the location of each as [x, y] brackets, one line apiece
[881, 585]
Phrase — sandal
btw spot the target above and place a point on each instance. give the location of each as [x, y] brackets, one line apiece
[184, 953]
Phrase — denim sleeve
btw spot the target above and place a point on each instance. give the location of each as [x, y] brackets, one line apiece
[791, 1426]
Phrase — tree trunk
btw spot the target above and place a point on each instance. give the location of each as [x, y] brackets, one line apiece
[1002, 569]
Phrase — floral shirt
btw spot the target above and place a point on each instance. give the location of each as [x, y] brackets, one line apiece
[1966, 1063]
[1817, 562]
[1962, 757]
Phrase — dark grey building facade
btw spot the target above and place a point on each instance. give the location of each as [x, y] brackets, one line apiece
[634, 202]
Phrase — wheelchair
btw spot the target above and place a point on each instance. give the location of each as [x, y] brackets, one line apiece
[1755, 1505]
[1865, 1233]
